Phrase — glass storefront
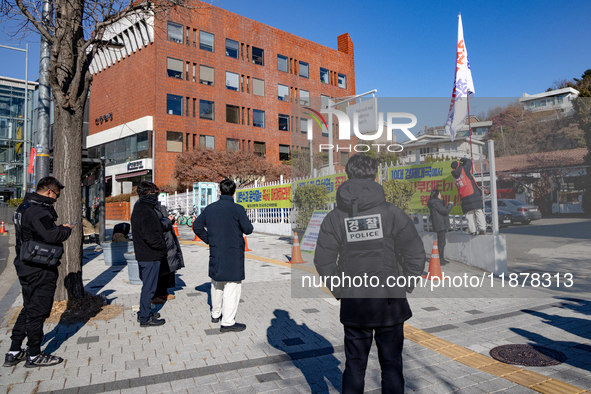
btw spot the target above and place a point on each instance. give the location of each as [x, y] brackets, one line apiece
[12, 133]
[123, 150]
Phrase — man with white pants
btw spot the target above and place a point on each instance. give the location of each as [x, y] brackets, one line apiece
[221, 225]
[472, 204]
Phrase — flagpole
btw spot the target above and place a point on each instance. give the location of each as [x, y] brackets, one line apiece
[469, 128]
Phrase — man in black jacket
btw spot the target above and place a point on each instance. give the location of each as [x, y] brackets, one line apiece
[35, 221]
[226, 223]
[150, 248]
[363, 237]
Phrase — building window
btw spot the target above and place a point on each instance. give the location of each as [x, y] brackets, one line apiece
[232, 114]
[232, 81]
[232, 145]
[175, 32]
[344, 158]
[231, 48]
[206, 109]
[342, 81]
[258, 87]
[174, 141]
[283, 122]
[425, 151]
[304, 97]
[284, 153]
[174, 68]
[304, 70]
[282, 92]
[258, 56]
[207, 141]
[324, 78]
[282, 63]
[174, 104]
[304, 125]
[260, 149]
[206, 75]
[258, 118]
[206, 41]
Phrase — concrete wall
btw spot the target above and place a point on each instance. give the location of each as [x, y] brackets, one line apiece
[486, 252]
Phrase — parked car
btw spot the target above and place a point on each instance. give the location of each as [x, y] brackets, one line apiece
[505, 218]
[521, 212]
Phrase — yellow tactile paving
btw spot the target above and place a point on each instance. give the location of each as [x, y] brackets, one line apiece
[526, 378]
[454, 352]
[554, 386]
[522, 377]
[436, 344]
[476, 360]
[420, 336]
[500, 369]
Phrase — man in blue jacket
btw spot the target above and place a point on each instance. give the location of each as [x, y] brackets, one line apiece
[150, 248]
[221, 225]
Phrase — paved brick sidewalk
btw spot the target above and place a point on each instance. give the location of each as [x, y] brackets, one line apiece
[290, 345]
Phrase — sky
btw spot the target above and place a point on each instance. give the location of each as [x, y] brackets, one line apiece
[407, 48]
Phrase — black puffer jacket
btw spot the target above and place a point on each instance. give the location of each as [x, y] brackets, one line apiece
[474, 200]
[350, 244]
[174, 255]
[38, 224]
[148, 237]
[439, 214]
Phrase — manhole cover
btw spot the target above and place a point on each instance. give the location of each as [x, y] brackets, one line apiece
[528, 355]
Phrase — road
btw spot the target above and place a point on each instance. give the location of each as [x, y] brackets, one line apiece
[550, 245]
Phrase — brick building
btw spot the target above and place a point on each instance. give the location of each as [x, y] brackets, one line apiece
[210, 78]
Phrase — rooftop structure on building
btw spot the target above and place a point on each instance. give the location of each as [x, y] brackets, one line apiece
[440, 147]
[210, 79]
[553, 100]
[479, 129]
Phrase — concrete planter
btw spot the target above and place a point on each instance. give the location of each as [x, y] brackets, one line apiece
[133, 269]
[113, 252]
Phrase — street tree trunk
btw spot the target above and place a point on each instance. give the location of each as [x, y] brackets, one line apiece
[67, 168]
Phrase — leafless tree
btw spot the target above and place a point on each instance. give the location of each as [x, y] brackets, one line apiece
[76, 31]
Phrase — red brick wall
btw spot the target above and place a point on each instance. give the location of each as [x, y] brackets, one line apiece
[138, 85]
[118, 211]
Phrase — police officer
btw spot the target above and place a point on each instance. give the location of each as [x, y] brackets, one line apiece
[367, 237]
[36, 223]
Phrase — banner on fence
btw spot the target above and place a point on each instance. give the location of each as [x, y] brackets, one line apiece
[278, 196]
[331, 182]
[311, 236]
[426, 178]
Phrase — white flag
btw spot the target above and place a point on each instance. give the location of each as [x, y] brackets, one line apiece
[463, 87]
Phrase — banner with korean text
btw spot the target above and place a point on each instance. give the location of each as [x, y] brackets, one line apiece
[278, 196]
[331, 182]
[426, 178]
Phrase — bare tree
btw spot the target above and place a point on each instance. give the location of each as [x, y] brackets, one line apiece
[76, 31]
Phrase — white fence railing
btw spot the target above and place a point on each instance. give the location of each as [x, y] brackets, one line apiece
[180, 201]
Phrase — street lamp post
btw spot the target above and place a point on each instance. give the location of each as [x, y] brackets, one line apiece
[26, 117]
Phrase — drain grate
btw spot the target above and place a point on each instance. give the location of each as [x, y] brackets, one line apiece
[527, 355]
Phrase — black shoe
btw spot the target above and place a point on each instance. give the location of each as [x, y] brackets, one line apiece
[153, 321]
[235, 327]
[155, 314]
[11, 360]
[216, 319]
[43, 360]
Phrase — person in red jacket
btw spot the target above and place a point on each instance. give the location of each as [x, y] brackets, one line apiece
[472, 204]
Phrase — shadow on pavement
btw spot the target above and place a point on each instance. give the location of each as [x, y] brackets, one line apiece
[95, 285]
[205, 288]
[577, 353]
[316, 370]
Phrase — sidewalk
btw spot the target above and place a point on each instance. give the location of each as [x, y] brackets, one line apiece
[295, 345]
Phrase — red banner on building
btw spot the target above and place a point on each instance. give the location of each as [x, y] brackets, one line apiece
[32, 160]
